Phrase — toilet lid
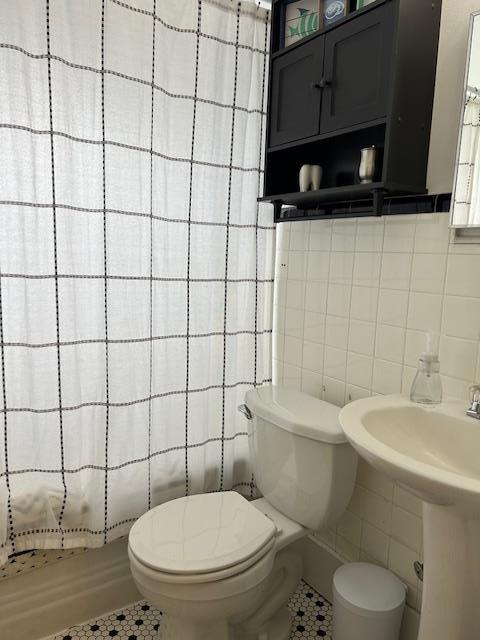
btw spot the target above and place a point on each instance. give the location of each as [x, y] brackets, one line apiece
[200, 534]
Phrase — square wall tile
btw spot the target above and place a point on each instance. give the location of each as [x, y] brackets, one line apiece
[462, 275]
[375, 543]
[335, 363]
[318, 266]
[336, 332]
[387, 377]
[343, 235]
[390, 343]
[314, 327]
[393, 307]
[294, 320]
[425, 312]
[293, 351]
[399, 234]
[366, 270]
[334, 391]
[428, 272]
[372, 508]
[295, 294]
[316, 297]
[359, 370]
[297, 265]
[361, 338]
[341, 267]
[312, 383]
[407, 528]
[313, 356]
[338, 303]
[364, 303]
[370, 234]
[461, 317]
[458, 358]
[396, 271]
[432, 233]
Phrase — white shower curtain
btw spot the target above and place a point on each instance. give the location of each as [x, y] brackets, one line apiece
[466, 203]
[135, 264]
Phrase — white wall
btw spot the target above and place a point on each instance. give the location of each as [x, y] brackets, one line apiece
[352, 302]
[452, 55]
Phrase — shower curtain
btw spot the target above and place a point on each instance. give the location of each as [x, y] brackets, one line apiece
[136, 268]
[466, 203]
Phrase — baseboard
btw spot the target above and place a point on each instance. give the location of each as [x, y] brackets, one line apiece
[320, 563]
[46, 600]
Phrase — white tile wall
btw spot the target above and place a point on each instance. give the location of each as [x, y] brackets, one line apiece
[353, 302]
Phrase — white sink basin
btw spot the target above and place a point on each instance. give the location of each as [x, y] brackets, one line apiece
[435, 453]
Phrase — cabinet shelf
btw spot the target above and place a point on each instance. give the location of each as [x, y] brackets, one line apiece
[326, 136]
[309, 199]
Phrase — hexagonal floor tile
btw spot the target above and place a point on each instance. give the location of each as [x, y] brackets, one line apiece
[311, 620]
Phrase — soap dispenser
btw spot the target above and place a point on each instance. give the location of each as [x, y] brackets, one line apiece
[427, 384]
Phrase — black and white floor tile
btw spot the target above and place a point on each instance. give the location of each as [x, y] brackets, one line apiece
[312, 619]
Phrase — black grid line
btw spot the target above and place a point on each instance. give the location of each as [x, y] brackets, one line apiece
[130, 403]
[10, 532]
[105, 264]
[172, 27]
[96, 276]
[150, 292]
[227, 239]
[123, 212]
[171, 336]
[131, 147]
[189, 241]
[259, 189]
[154, 454]
[55, 258]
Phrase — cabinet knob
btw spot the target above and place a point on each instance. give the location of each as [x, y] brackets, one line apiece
[315, 85]
[324, 83]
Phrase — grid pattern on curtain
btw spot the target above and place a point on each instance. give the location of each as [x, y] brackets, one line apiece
[466, 205]
[136, 270]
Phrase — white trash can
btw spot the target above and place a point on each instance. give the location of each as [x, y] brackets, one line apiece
[368, 603]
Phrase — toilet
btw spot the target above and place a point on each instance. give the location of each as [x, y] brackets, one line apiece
[222, 568]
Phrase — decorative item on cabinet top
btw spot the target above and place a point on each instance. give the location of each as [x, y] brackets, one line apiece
[346, 87]
[299, 18]
[334, 10]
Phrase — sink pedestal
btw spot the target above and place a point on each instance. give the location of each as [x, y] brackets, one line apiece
[451, 588]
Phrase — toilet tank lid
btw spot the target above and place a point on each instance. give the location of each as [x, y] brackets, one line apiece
[297, 412]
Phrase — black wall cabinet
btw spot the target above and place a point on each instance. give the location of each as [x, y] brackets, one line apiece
[367, 80]
[296, 98]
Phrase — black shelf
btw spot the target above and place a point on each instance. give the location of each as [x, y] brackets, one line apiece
[327, 136]
[309, 199]
[365, 206]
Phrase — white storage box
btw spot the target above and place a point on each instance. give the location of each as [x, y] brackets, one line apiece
[368, 603]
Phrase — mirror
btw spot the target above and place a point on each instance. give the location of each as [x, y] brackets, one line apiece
[466, 189]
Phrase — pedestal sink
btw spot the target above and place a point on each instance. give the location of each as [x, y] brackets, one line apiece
[434, 453]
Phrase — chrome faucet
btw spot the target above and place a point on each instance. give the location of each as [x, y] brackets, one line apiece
[474, 410]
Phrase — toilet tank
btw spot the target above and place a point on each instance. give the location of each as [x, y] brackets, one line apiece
[302, 462]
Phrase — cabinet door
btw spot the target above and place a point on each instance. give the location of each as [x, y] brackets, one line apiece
[358, 57]
[296, 95]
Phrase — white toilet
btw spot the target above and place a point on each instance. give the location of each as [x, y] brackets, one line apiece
[222, 568]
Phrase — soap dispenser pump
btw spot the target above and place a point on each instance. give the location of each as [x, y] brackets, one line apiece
[427, 384]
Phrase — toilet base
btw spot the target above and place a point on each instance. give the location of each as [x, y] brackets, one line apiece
[174, 628]
[278, 628]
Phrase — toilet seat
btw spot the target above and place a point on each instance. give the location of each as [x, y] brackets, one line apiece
[201, 538]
